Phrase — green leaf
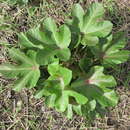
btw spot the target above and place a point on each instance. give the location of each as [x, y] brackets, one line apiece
[10, 71]
[116, 42]
[108, 99]
[64, 37]
[39, 94]
[105, 97]
[95, 12]
[45, 56]
[75, 40]
[97, 87]
[61, 36]
[77, 109]
[50, 25]
[110, 51]
[50, 101]
[85, 64]
[77, 13]
[62, 74]
[92, 105]
[27, 70]
[57, 84]
[25, 1]
[99, 79]
[50, 41]
[100, 29]
[53, 68]
[50, 87]
[89, 40]
[19, 84]
[20, 56]
[116, 57]
[62, 102]
[63, 54]
[31, 39]
[89, 25]
[69, 111]
[92, 26]
[80, 99]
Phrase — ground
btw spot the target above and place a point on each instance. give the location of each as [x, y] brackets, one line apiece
[20, 111]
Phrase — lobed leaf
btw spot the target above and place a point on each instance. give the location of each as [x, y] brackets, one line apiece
[110, 52]
[97, 87]
[89, 25]
[27, 70]
[99, 79]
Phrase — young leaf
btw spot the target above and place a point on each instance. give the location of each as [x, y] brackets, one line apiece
[62, 74]
[26, 69]
[57, 84]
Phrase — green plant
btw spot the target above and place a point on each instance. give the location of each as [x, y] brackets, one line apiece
[73, 61]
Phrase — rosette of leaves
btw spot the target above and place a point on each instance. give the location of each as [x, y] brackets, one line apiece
[49, 40]
[88, 27]
[69, 85]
